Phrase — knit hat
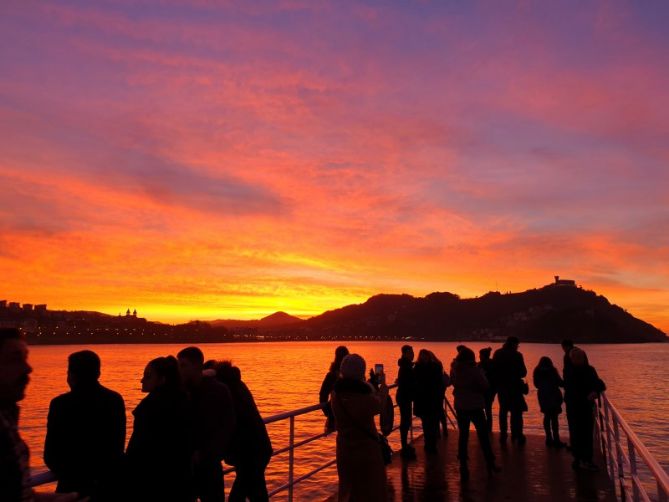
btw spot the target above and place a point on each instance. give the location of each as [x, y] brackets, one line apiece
[353, 367]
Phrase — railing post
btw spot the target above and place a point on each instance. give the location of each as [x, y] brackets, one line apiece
[619, 456]
[609, 442]
[291, 458]
[632, 456]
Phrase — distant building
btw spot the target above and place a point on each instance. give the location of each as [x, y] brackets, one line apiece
[127, 313]
[3, 304]
[14, 306]
[134, 313]
[28, 307]
[564, 282]
[41, 308]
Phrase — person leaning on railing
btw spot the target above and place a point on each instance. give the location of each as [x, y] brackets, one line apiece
[582, 386]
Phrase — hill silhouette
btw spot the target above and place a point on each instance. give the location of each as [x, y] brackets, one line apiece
[273, 320]
[548, 314]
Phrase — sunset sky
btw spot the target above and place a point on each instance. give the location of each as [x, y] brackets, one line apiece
[229, 159]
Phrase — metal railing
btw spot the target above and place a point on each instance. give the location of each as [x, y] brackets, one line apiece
[622, 449]
[46, 476]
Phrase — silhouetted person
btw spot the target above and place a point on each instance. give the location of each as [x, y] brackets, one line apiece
[250, 449]
[85, 433]
[486, 364]
[429, 397]
[328, 384]
[469, 388]
[566, 345]
[406, 388]
[548, 382]
[14, 453]
[510, 370]
[446, 380]
[360, 464]
[159, 453]
[582, 386]
[213, 418]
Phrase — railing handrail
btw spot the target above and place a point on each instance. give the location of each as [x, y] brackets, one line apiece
[653, 465]
[302, 411]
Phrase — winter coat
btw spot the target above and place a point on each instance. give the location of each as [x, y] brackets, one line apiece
[469, 386]
[158, 458]
[250, 444]
[362, 473]
[406, 381]
[326, 389]
[548, 383]
[85, 438]
[510, 370]
[430, 388]
[579, 383]
[213, 418]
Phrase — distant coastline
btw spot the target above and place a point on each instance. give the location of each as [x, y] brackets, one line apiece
[544, 315]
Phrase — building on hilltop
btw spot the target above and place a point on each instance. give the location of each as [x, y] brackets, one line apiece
[41, 308]
[27, 307]
[15, 306]
[3, 304]
[564, 282]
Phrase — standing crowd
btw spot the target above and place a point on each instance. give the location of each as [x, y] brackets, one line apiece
[350, 404]
[197, 414]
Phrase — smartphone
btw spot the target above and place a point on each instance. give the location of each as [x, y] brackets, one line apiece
[378, 368]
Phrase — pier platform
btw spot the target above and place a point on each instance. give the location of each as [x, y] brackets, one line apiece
[532, 473]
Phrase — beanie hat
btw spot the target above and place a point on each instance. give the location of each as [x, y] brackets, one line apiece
[353, 367]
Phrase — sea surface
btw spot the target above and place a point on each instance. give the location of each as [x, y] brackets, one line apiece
[285, 376]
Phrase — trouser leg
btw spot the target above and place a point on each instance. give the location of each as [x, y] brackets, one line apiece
[555, 426]
[405, 422]
[516, 423]
[503, 424]
[478, 418]
[547, 426]
[463, 434]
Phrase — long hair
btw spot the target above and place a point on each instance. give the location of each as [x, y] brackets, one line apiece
[340, 353]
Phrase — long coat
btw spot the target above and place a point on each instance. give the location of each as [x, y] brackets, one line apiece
[510, 370]
[160, 450]
[430, 388]
[469, 386]
[362, 473]
[548, 383]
